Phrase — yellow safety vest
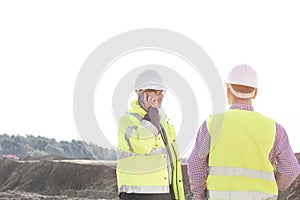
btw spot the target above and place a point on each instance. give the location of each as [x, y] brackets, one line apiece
[143, 164]
[239, 167]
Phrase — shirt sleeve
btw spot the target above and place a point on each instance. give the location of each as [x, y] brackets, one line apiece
[286, 164]
[198, 164]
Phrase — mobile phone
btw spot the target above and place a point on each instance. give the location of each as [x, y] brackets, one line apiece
[141, 97]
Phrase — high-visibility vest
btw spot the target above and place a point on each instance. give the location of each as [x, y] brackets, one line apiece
[143, 162]
[239, 167]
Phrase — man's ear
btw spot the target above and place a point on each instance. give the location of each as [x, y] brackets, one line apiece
[255, 94]
[228, 93]
[229, 96]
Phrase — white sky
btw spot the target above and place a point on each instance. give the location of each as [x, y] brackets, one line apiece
[44, 44]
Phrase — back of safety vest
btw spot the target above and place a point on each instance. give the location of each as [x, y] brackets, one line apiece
[239, 167]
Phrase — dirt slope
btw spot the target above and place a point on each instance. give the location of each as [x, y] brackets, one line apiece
[76, 179]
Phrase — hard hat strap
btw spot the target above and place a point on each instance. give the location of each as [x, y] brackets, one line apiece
[239, 94]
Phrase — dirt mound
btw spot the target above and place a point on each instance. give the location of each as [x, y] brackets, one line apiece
[76, 179]
[21, 195]
[50, 157]
[73, 179]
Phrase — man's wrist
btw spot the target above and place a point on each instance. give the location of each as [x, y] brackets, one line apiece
[146, 117]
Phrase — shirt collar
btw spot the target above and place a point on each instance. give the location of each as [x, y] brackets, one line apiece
[241, 107]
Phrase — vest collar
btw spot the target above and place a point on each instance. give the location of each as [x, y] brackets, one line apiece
[135, 107]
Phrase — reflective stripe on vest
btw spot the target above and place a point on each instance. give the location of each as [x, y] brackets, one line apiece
[125, 154]
[128, 133]
[149, 126]
[136, 115]
[145, 189]
[145, 123]
[235, 171]
[239, 195]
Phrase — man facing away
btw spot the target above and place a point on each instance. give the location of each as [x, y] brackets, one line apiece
[148, 165]
[241, 154]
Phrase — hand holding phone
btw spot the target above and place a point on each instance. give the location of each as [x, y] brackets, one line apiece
[147, 101]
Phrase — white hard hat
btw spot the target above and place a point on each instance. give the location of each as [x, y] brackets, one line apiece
[242, 75]
[149, 79]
